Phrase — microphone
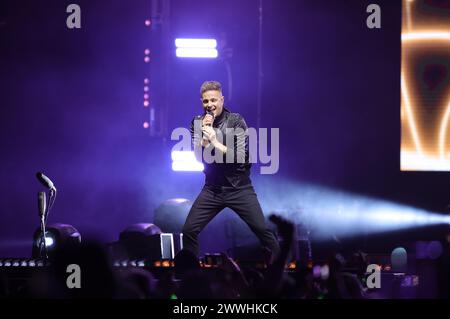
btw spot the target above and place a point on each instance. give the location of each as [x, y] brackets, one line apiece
[45, 181]
[208, 112]
[42, 203]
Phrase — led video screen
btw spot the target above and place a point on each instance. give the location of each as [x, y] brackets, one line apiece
[425, 86]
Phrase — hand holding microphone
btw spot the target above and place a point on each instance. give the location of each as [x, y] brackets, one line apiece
[208, 131]
[208, 119]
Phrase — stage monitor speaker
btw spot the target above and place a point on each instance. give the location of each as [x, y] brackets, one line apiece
[151, 246]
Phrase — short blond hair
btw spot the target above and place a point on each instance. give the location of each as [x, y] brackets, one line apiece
[210, 86]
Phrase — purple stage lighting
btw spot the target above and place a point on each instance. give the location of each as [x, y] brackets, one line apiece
[196, 48]
[196, 43]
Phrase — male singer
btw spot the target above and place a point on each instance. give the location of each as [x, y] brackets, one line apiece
[227, 183]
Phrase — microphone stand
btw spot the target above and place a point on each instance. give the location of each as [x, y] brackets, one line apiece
[43, 214]
[43, 245]
[51, 201]
[42, 210]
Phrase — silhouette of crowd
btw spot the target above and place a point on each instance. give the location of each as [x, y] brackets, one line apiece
[188, 280]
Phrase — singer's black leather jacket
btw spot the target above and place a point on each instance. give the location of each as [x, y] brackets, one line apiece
[235, 167]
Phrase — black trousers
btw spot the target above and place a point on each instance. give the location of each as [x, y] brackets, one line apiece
[212, 200]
